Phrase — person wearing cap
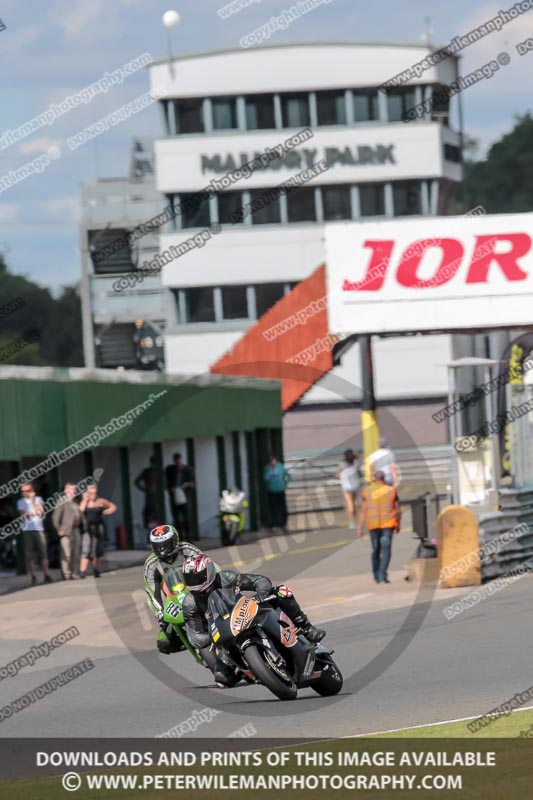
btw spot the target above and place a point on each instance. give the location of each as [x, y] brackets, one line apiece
[381, 514]
[384, 460]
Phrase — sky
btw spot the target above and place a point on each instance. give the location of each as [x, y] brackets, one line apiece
[51, 50]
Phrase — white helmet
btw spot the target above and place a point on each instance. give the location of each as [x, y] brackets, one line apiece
[165, 541]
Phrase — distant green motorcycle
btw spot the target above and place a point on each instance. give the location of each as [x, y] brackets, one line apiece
[232, 515]
[174, 593]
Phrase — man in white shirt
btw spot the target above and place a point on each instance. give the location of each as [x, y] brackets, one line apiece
[31, 508]
[383, 460]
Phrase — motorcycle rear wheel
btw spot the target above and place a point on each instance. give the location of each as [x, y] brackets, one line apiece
[264, 673]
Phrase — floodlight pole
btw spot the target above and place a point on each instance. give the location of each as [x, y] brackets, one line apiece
[453, 436]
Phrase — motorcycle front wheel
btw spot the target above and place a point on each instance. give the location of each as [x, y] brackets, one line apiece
[330, 682]
[233, 533]
[283, 689]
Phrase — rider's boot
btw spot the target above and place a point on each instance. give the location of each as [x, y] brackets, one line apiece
[310, 632]
[291, 606]
[169, 642]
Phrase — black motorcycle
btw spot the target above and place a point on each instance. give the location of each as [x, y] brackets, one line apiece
[262, 642]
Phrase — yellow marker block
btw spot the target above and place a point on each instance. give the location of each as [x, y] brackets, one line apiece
[458, 548]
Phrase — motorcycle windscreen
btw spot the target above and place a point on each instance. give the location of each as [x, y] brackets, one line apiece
[174, 581]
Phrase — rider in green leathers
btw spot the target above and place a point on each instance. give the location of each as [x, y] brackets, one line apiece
[168, 552]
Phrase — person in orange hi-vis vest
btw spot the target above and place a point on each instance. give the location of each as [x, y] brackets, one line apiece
[381, 514]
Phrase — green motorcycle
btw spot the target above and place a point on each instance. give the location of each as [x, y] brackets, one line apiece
[174, 593]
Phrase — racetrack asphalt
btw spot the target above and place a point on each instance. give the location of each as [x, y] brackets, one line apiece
[404, 662]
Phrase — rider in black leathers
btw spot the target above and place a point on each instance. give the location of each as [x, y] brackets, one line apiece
[201, 577]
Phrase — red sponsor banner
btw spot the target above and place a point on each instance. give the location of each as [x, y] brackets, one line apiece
[444, 273]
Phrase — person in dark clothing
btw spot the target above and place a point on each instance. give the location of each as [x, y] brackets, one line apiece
[277, 476]
[146, 482]
[180, 486]
[200, 576]
[93, 510]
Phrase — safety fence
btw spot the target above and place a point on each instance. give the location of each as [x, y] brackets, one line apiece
[314, 486]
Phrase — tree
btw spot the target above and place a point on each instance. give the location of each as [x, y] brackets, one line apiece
[67, 341]
[57, 322]
[503, 183]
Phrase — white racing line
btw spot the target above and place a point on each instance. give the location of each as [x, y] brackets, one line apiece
[429, 724]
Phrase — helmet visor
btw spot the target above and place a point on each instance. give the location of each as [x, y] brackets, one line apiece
[200, 581]
[165, 548]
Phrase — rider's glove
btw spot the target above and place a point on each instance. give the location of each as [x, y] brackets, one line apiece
[158, 613]
[262, 595]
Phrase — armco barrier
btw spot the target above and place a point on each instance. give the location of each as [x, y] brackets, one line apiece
[516, 509]
[422, 469]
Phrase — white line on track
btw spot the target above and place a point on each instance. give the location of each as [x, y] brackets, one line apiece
[431, 724]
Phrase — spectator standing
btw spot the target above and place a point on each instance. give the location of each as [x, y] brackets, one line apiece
[384, 460]
[350, 477]
[31, 508]
[146, 482]
[277, 477]
[180, 486]
[67, 522]
[94, 509]
[381, 514]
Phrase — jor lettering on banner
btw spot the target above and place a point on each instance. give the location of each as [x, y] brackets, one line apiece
[437, 274]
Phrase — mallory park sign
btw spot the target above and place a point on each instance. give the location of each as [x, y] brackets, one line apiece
[361, 155]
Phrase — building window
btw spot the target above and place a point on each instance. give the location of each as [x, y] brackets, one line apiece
[331, 108]
[217, 304]
[301, 204]
[365, 105]
[259, 112]
[234, 302]
[267, 295]
[295, 110]
[165, 107]
[270, 213]
[399, 102]
[200, 304]
[194, 208]
[224, 113]
[372, 199]
[452, 153]
[189, 116]
[440, 103]
[230, 211]
[336, 202]
[407, 198]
